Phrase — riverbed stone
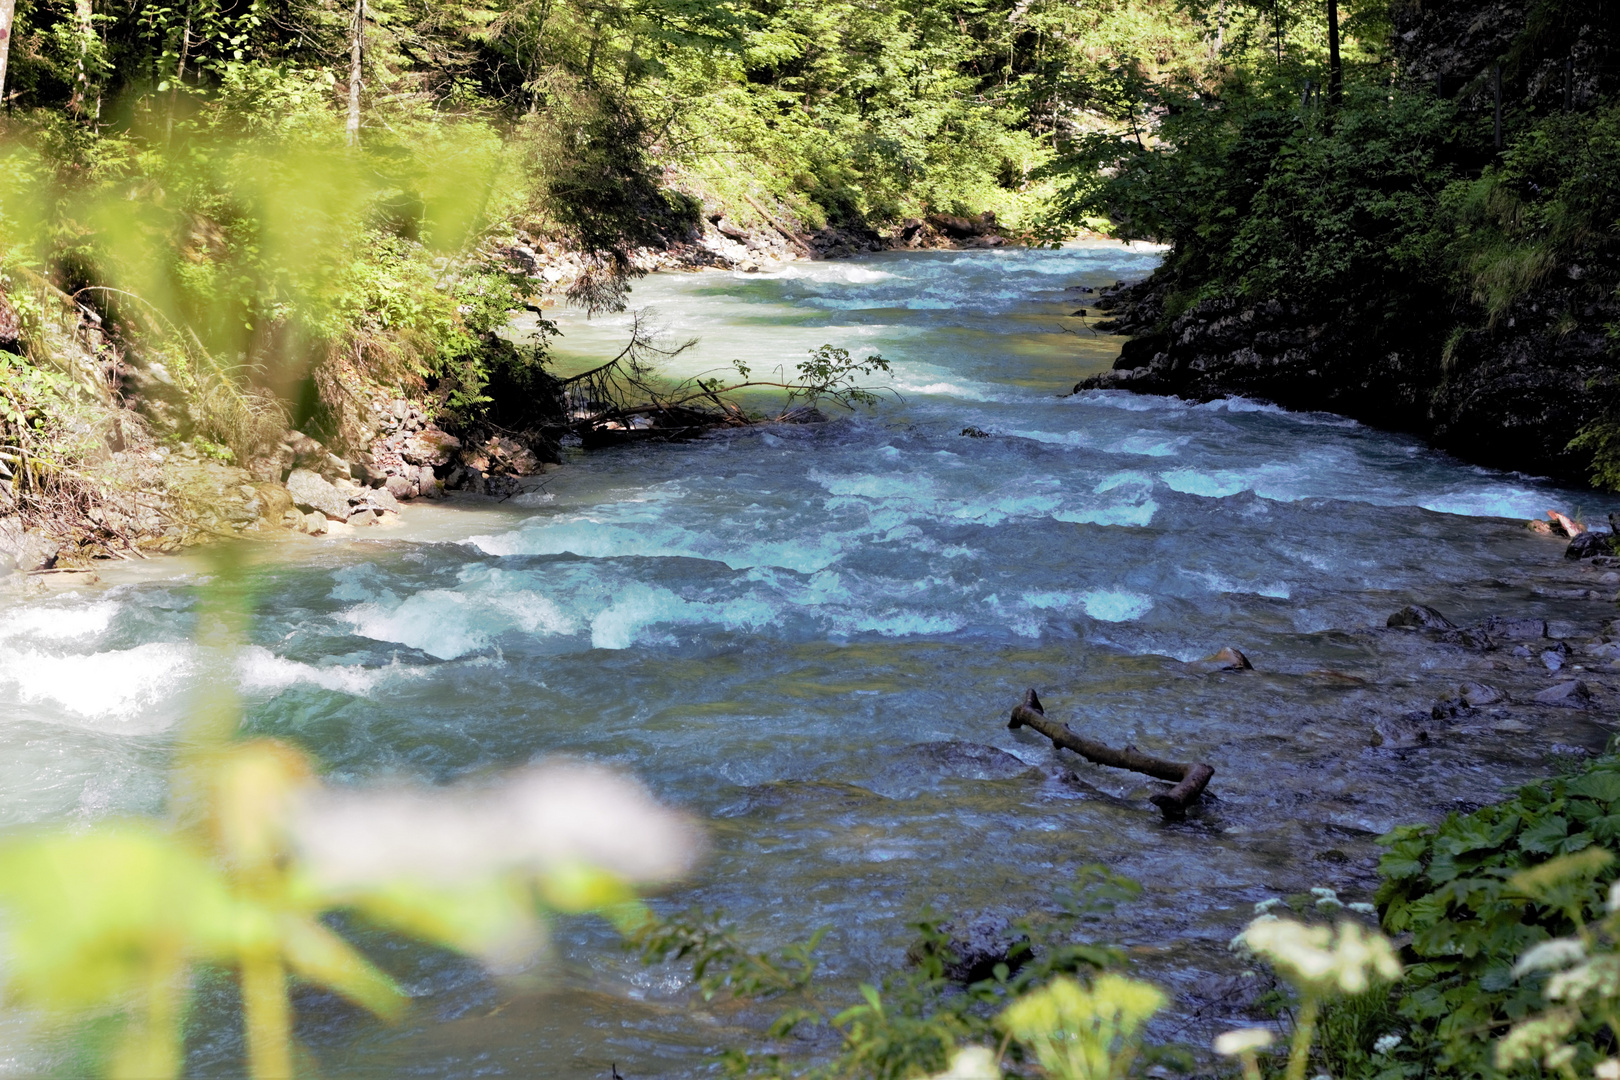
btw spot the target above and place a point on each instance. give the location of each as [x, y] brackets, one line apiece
[398, 487]
[311, 491]
[1569, 695]
[1420, 617]
[1227, 659]
[1479, 695]
[1516, 629]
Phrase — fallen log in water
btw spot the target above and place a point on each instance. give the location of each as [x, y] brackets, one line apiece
[1190, 780]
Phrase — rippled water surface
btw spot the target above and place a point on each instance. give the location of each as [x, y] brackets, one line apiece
[781, 628]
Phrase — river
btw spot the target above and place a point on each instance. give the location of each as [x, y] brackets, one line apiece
[779, 627]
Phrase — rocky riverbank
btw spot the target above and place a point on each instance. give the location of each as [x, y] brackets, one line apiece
[1509, 396]
[138, 484]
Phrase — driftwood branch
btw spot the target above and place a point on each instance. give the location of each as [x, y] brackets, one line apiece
[1190, 780]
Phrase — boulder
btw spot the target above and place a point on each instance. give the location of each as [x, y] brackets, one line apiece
[429, 447]
[1568, 695]
[274, 502]
[1420, 617]
[25, 549]
[1588, 544]
[363, 517]
[428, 484]
[311, 491]
[802, 414]
[398, 487]
[381, 499]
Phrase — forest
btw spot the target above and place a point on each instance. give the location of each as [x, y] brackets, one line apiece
[521, 523]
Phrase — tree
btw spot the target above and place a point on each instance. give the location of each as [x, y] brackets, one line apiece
[8, 12]
[357, 39]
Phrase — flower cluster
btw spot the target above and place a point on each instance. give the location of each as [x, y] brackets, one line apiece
[1317, 958]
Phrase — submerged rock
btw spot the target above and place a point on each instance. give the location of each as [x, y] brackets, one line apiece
[1420, 617]
[1516, 629]
[1568, 695]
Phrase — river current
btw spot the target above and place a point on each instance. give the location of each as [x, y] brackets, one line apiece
[782, 628]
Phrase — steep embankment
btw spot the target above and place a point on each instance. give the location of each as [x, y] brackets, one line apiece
[1384, 260]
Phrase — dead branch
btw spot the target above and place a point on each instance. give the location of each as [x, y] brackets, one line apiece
[1190, 780]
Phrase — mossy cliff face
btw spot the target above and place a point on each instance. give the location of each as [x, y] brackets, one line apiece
[1511, 396]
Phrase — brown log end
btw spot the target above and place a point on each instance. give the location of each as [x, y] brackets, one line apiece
[1031, 702]
[1173, 804]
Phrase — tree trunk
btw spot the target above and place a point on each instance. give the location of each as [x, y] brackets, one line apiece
[1190, 779]
[356, 52]
[8, 12]
[1335, 68]
[87, 31]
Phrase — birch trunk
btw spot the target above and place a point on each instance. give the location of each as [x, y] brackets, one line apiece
[8, 11]
[356, 52]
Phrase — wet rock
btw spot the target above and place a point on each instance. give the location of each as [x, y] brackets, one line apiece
[1555, 658]
[970, 954]
[972, 761]
[1586, 545]
[803, 414]
[311, 491]
[429, 447]
[399, 487]
[1559, 628]
[1479, 695]
[428, 484]
[787, 795]
[1420, 617]
[975, 433]
[1568, 695]
[1565, 750]
[1451, 709]
[1227, 659]
[1467, 638]
[1516, 629]
[1406, 730]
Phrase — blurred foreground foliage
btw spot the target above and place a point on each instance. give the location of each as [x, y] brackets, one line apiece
[257, 856]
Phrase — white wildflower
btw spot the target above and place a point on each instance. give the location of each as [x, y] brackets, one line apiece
[1266, 905]
[1608, 1069]
[1243, 1041]
[1363, 908]
[1614, 896]
[1386, 1043]
[1327, 898]
[547, 817]
[971, 1063]
[1550, 955]
[1318, 956]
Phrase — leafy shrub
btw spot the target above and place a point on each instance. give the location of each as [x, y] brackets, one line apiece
[1453, 888]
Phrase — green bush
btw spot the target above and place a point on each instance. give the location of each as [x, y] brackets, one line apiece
[1451, 887]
